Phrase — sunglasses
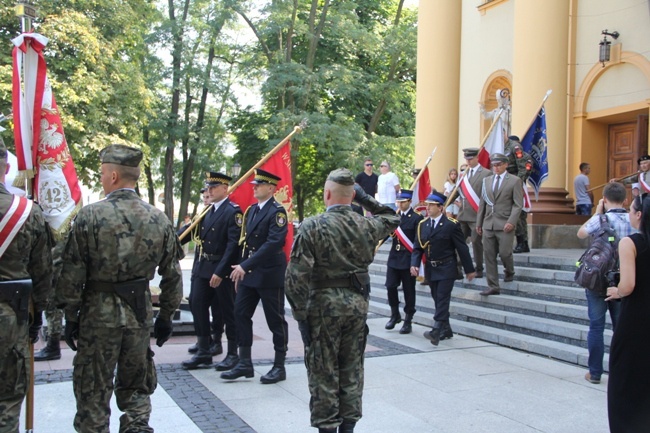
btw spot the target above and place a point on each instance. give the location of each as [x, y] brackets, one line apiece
[368, 165]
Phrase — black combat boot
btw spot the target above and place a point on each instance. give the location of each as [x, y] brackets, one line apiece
[347, 427]
[395, 317]
[519, 248]
[524, 247]
[231, 359]
[277, 373]
[434, 335]
[216, 348]
[244, 367]
[406, 327]
[201, 357]
[326, 430]
[446, 332]
[51, 351]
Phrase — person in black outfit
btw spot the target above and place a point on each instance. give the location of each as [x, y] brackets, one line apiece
[399, 263]
[628, 389]
[367, 179]
[260, 275]
[439, 238]
[218, 238]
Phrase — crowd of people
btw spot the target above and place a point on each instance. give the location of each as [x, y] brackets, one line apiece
[98, 280]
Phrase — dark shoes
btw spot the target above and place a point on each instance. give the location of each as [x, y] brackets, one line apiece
[215, 348]
[433, 336]
[51, 351]
[446, 333]
[202, 357]
[228, 363]
[395, 318]
[346, 427]
[244, 368]
[522, 247]
[275, 375]
[508, 277]
[589, 378]
[488, 292]
[479, 274]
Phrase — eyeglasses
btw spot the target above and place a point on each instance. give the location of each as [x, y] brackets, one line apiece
[368, 165]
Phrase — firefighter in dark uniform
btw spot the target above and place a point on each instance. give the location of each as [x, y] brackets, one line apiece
[260, 275]
[439, 238]
[217, 252]
[399, 263]
[520, 164]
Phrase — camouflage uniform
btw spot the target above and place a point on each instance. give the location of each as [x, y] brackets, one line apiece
[327, 251]
[521, 167]
[118, 239]
[27, 256]
[53, 315]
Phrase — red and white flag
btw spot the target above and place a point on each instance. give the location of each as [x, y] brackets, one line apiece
[280, 165]
[41, 148]
[494, 144]
[421, 190]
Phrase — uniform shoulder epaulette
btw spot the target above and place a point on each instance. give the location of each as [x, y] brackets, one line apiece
[455, 221]
[278, 205]
[233, 204]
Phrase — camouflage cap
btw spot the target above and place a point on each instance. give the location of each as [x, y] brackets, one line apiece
[121, 155]
[342, 176]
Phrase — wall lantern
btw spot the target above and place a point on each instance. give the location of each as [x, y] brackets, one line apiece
[605, 46]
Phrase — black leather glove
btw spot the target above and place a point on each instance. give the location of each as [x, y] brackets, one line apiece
[35, 327]
[71, 333]
[303, 327]
[369, 203]
[162, 330]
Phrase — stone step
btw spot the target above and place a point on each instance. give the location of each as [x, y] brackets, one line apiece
[506, 337]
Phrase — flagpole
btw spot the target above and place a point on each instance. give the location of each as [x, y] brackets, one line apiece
[426, 164]
[485, 138]
[296, 129]
[548, 93]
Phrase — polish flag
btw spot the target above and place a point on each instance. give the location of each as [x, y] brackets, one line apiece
[494, 144]
[421, 190]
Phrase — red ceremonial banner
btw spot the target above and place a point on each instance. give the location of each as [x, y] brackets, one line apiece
[280, 165]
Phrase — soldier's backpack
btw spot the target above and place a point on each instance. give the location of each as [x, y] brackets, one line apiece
[599, 262]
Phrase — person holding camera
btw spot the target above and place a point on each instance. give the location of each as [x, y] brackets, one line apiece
[611, 205]
[628, 390]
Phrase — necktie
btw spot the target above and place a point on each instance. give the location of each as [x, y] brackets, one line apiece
[213, 211]
[471, 173]
[255, 212]
[497, 184]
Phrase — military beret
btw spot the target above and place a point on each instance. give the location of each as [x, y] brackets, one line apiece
[470, 152]
[213, 178]
[643, 158]
[262, 176]
[513, 138]
[404, 195]
[121, 155]
[436, 198]
[498, 157]
[342, 176]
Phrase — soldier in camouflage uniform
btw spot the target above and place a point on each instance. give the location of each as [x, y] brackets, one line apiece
[27, 256]
[111, 254]
[520, 164]
[327, 285]
[53, 315]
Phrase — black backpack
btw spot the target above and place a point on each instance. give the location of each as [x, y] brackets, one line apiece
[599, 263]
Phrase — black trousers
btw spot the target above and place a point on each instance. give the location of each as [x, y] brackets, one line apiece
[395, 277]
[273, 305]
[441, 294]
[220, 300]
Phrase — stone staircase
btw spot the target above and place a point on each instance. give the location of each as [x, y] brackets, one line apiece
[543, 311]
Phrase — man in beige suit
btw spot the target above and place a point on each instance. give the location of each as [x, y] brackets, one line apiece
[502, 199]
[470, 192]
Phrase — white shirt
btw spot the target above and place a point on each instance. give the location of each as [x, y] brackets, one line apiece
[386, 183]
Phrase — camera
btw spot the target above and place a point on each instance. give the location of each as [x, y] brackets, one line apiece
[613, 278]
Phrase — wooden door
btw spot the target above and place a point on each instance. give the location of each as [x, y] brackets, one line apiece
[627, 142]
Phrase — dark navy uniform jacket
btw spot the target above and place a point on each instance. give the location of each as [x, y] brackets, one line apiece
[439, 245]
[263, 256]
[219, 233]
[400, 257]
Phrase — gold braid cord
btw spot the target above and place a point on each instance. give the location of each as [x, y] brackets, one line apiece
[242, 238]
